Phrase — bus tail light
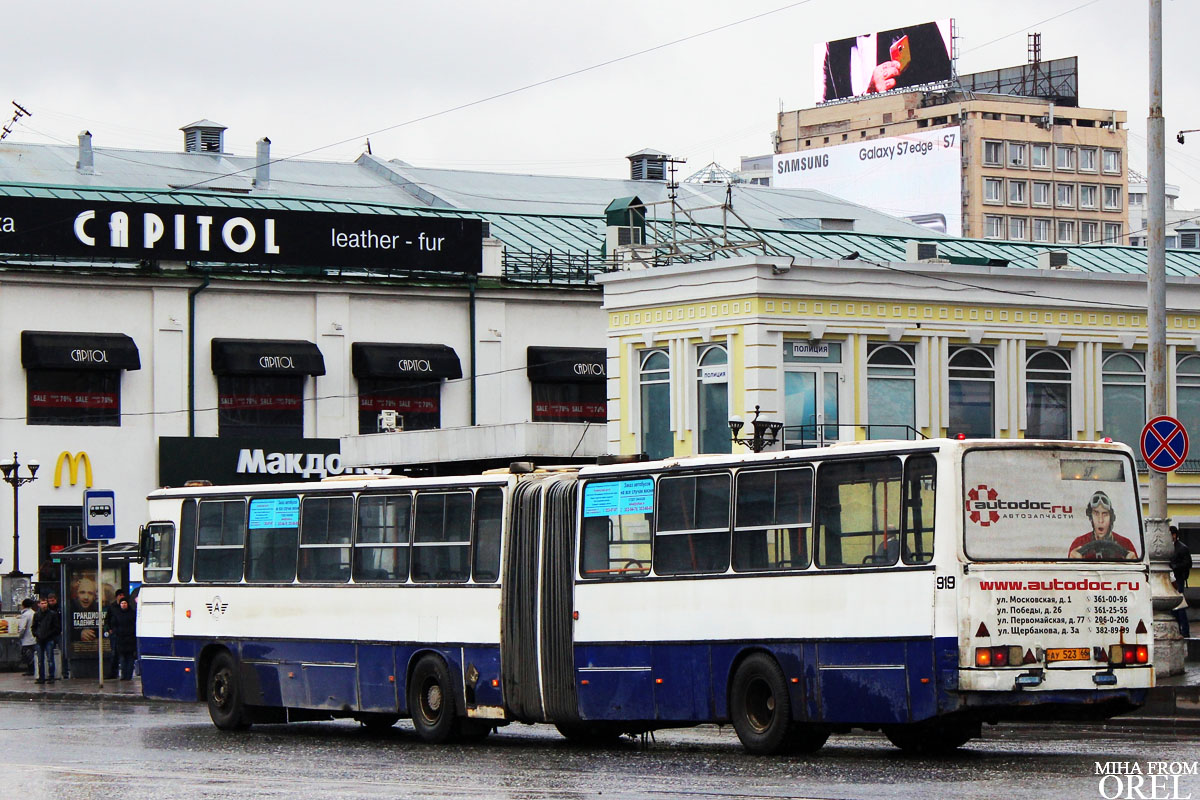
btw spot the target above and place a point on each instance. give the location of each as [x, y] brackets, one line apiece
[1003, 656]
[1128, 654]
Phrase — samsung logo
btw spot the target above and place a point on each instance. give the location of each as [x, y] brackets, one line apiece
[802, 163]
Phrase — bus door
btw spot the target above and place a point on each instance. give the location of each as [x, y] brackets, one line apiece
[536, 658]
[156, 609]
[1057, 585]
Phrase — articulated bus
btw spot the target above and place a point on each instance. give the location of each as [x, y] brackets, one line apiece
[916, 588]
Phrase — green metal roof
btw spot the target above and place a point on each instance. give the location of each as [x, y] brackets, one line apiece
[580, 237]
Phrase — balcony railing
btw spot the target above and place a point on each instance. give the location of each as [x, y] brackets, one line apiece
[796, 437]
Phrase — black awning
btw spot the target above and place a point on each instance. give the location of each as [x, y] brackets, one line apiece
[404, 361]
[55, 350]
[566, 364]
[266, 357]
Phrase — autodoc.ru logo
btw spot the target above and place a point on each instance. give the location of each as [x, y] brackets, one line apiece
[985, 507]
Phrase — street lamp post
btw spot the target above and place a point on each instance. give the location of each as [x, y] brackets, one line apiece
[766, 432]
[11, 469]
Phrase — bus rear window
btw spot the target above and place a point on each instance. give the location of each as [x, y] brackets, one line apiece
[1049, 505]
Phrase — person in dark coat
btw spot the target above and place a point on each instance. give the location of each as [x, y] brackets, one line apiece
[1181, 568]
[110, 665]
[123, 625]
[47, 628]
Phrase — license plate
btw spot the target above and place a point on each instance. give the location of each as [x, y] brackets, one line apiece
[1068, 654]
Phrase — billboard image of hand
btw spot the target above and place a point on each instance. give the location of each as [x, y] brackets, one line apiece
[881, 62]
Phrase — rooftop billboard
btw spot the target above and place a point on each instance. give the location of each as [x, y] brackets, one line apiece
[916, 176]
[880, 62]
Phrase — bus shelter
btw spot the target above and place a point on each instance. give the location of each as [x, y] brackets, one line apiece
[85, 597]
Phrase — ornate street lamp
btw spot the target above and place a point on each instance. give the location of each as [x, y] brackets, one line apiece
[11, 469]
[766, 432]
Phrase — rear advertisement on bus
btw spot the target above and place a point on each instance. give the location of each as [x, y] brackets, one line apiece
[1078, 596]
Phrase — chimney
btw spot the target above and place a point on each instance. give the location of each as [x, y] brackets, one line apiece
[86, 163]
[262, 164]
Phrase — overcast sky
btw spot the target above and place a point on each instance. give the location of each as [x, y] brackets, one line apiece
[318, 77]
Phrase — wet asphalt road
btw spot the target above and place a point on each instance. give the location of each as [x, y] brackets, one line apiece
[121, 751]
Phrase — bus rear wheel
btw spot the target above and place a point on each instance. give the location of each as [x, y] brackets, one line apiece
[431, 701]
[932, 737]
[760, 705]
[225, 694]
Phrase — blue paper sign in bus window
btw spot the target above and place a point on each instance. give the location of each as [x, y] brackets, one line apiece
[275, 512]
[619, 497]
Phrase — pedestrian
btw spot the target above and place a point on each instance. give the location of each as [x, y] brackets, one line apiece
[52, 599]
[1181, 567]
[47, 627]
[123, 624]
[110, 666]
[25, 633]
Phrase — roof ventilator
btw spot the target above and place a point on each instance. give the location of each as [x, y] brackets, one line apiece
[204, 136]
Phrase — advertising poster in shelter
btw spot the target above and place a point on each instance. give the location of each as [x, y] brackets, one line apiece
[86, 600]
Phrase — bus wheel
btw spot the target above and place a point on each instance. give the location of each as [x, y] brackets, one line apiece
[803, 738]
[760, 705]
[225, 694]
[932, 737]
[431, 701]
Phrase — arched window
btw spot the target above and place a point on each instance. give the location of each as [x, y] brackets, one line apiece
[972, 392]
[891, 392]
[655, 385]
[1187, 391]
[1048, 395]
[1124, 381]
[712, 395]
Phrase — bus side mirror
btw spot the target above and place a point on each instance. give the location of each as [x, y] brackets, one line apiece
[143, 543]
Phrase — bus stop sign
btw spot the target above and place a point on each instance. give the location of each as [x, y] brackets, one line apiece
[100, 514]
[1164, 444]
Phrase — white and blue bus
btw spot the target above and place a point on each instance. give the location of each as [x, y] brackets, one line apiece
[918, 588]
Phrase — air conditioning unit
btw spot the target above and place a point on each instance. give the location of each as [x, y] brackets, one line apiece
[390, 421]
[916, 251]
[1056, 259]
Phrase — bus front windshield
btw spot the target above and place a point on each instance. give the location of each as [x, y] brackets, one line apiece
[1042, 504]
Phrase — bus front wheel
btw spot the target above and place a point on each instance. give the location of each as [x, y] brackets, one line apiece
[760, 705]
[225, 694]
[431, 701]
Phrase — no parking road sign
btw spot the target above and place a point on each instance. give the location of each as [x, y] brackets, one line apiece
[1164, 444]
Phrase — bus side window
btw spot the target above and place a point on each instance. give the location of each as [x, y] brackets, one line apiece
[272, 539]
[616, 538]
[187, 540]
[160, 553]
[381, 549]
[326, 531]
[442, 537]
[220, 541]
[489, 519]
[772, 519]
[858, 513]
[692, 534]
[920, 487]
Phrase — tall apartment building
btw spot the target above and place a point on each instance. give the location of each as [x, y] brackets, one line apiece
[1031, 170]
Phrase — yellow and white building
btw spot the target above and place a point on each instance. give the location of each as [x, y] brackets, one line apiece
[899, 348]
